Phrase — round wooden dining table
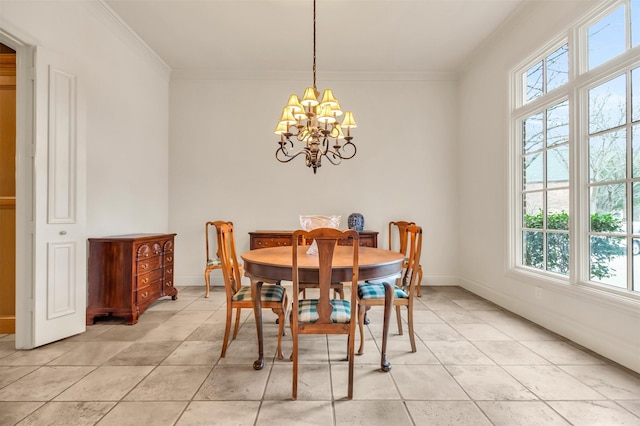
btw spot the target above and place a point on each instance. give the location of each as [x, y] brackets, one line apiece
[274, 264]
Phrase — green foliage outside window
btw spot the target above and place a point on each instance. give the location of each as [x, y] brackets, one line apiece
[603, 248]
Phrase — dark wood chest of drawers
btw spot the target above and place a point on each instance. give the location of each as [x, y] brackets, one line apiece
[263, 239]
[127, 273]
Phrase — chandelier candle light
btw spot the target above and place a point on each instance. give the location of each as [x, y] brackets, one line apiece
[314, 123]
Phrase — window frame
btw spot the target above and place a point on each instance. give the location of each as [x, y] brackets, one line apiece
[580, 81]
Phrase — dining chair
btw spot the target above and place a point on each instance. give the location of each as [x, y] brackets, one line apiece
[213, 261]
[399, 228]
[273, 297]
[372, 294]
[323, 315]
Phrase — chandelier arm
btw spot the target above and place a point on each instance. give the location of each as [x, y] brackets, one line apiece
[333, 157]
[350, 146]
[288, 157]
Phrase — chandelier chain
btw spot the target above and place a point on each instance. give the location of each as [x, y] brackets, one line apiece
[314, 46]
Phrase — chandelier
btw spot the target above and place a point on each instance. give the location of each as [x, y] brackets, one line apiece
[313, 122]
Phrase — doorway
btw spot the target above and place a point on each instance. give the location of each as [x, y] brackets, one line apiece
[7, 189]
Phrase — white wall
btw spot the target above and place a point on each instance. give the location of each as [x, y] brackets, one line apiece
[127, 96]
[223, 166]
[604, 324]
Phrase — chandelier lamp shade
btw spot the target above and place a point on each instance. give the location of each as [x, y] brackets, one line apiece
[309, 127]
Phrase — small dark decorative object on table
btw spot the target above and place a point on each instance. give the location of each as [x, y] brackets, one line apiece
[356, 222]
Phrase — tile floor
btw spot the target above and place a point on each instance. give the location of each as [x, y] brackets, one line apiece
[476, 364]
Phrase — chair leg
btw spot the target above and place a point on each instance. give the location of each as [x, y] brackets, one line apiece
[294, 358]
[399, 317]
[237, 325]
[207, 273]
[280, 313]
[412, 337]
[419, 280]
[351, 365]
[361, 311]
[227, 329]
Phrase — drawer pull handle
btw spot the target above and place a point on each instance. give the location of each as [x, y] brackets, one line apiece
[145, 294]
[169, 271]
[144, 266]
[145, 280]
[169, 259]
[169, 284]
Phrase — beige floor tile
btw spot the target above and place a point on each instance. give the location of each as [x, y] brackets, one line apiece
[559, 352]
[521, 413]
[127, 333]
[488, 382]
[91, 333]
[371, 413]
[220, 413]
[170, 383]
[510, 353]
[144, 413]
[155, 317]
[210, 305]
[108, 383]
[169, 331]
[594, 413]
[166, 304]
[191, 316]
[369, 382]
[12, 412]
[314, 382]
[11, 374]
[234, 382]
[66, 413]
[632, 406]
[145, 353]
[458, 353]
[295, 413]
[455, 413]
[611, 381]
[476, 304]
[208, 331]
[7, 347]
[459, 317]
[43, 384]
[194, 353]
[480, 332]
[436, 332]
[244, 352]
[426, 382]
[551, 383]
[91, 353]
[41, 355]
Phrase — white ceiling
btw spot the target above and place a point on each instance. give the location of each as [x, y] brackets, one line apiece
[381, 36]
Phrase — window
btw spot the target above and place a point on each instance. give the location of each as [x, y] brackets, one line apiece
[577, 138]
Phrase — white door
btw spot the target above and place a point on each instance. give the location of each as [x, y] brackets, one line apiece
[59, 214]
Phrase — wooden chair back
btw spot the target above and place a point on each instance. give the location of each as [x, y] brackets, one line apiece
[413, 238]
[401, 228]
[212, 262]
[228, 259]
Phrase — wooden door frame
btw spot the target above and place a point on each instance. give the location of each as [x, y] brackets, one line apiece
[24, 184]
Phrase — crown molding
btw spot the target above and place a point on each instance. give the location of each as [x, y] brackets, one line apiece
[110, 17]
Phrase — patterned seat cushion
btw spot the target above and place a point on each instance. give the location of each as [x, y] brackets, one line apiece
[270, 293]
[213, 262]
[376, 291]
[308, 312]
